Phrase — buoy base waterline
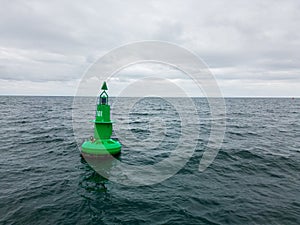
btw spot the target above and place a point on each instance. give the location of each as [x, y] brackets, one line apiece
[101, 143]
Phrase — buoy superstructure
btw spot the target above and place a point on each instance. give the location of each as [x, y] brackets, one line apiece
[101, 143]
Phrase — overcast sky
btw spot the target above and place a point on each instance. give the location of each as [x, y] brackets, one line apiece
[252, 47]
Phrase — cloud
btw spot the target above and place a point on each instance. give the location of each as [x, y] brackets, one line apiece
[56, 41]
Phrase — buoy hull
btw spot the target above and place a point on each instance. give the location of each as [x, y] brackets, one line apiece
[100, 148]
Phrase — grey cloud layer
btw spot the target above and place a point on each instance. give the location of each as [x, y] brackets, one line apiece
[58, 40]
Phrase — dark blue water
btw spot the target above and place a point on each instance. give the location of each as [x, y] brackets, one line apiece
[254, 179]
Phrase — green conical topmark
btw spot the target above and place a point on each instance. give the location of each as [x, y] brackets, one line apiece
[104, 86]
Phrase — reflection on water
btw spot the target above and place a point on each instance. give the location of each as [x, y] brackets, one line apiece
[92, 181]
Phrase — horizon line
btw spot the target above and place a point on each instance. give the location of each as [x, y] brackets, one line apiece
[21, 95]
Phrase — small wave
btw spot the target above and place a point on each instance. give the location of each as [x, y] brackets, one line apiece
[245, 154]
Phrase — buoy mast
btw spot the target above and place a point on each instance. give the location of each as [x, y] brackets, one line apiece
[103, 124]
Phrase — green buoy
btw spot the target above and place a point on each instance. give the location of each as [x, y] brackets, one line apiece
[101, 144]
